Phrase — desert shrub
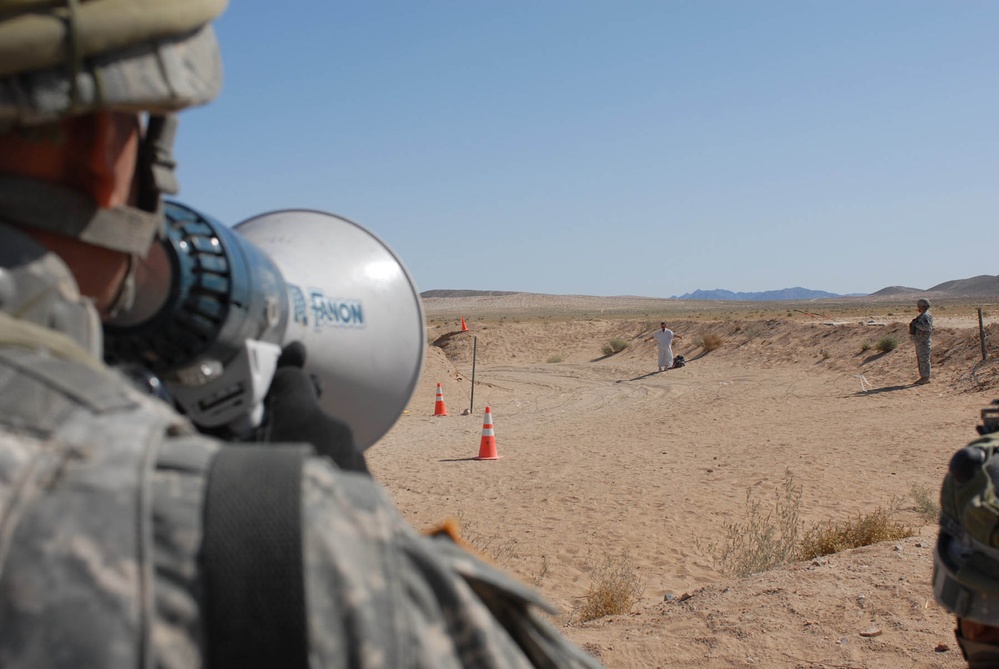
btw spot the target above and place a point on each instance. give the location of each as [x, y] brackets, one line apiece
[556, 358]
[537, 579]
[498, 551]
[886, 343]
[865, 347]
[824, 354]
[864, 530]
[710, 341]
[614, 589]
[614, 346]
[764, 541]
[926, 503]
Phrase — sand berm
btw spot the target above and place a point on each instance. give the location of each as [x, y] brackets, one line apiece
[604, 461]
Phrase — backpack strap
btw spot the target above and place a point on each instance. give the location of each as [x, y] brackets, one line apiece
[252, 559]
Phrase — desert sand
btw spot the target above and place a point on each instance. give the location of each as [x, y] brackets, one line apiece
[605, 461]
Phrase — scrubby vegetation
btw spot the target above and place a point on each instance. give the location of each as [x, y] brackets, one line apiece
[709, 341]
[614, 346]
[926, 503]
[763, 541]
[863, 530]
[886, 343]
[771, 539]
[615, 587]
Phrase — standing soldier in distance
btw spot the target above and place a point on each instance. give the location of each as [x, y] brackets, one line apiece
[921, 331]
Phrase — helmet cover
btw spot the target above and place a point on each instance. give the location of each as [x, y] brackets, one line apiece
[966, 559]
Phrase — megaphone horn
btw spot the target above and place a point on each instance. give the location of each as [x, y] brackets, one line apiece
[354, 306]
[215, 305]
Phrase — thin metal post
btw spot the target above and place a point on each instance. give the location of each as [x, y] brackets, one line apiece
[981, 333]
[475, 346]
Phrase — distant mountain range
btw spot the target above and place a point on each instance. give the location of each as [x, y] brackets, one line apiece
[983, 285]
[767, 295]
[977, 286]
[466, 293]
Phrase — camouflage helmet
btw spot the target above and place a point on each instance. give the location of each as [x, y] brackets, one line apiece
[60, 59]
[66, 58]
[966, 559]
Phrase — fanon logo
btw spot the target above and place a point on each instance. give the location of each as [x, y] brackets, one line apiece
[335, 312]
[326, 311]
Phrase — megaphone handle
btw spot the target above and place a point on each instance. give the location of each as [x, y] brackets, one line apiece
[294, 415]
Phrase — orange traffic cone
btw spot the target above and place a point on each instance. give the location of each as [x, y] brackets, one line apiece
[464, 328]
[439, 408]
[487, 447]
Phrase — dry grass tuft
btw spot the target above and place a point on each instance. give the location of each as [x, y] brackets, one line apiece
[614, 589]
[498, 551]
[539, 577]
[614, 346]
[864, 530]
[927, 504]
[709, 342]
[764, 541]
[886, 343]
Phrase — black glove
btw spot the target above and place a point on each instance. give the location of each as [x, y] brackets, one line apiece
[295, 415]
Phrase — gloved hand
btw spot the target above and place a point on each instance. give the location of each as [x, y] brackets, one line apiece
[295, 415]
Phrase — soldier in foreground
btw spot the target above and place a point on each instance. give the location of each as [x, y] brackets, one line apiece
[966, 559]
[118, 546]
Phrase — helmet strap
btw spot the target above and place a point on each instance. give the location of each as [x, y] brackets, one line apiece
[125, 298]
[156, 163]
[44, 206]
[131, 229]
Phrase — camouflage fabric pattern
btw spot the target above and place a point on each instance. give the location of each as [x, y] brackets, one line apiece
[972, 503]
[923, 357]
[966, 564]
[921, 330]
[101, 495]
[128, 55]
[410, 599]
[76, 586]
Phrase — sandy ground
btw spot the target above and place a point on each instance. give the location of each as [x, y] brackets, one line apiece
[604, 461]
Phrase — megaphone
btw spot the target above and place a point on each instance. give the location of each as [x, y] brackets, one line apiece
[215, 306]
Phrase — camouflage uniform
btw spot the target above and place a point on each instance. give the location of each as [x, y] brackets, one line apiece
[101, 512]
[921, 330]
[103, 487]
[966, 559]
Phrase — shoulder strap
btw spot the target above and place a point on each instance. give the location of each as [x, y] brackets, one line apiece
[252, 552]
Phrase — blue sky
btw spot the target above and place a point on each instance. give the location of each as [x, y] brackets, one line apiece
[619, 148]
